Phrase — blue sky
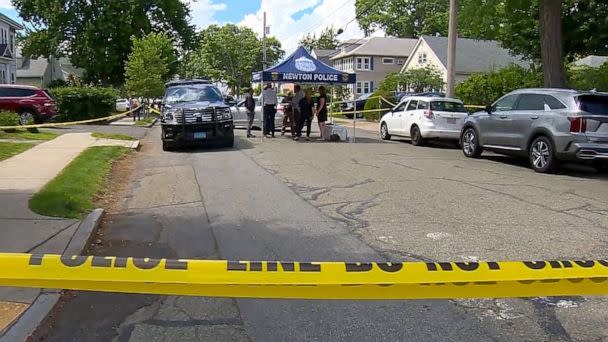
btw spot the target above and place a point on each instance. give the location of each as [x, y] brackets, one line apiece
[289, 20]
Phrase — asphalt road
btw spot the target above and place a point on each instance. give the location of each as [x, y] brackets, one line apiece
[282, 200]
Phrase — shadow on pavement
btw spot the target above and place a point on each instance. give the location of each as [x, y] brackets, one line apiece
[581, 170]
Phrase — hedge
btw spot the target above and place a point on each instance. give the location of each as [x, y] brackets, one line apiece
[375, 103]
[9, 119]
[82, 103]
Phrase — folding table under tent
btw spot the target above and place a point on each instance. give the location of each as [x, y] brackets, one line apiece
[302, 68]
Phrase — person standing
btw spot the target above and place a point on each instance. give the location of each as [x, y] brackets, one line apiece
[306, 111]
[250, 106]
[269, 97]
[322, 112]
[295, 106]
[288, 114]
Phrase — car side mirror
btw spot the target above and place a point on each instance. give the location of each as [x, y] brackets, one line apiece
[489, 109]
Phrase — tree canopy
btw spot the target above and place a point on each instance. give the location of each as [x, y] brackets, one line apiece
[147, 68]
[514, 23]
[96, 35]
[326, 40]
[229, 54]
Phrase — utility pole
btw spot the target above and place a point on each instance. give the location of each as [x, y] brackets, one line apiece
[265, 28]
[452, 36]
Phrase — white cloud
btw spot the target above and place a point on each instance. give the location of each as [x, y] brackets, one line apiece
[203, 11]
[279, 14]
[6, 4]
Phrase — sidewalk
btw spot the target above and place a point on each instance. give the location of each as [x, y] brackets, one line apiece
[361, 124]
[23, 231]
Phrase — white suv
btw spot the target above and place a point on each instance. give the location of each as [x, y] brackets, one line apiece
[423, 117]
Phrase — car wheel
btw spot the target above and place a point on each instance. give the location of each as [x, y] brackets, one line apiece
[416, 137]
[26, 117]
[470, 144]
[384, 132]
[541, 155]
[229, 143]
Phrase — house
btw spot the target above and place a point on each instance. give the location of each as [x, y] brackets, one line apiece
[472, 56]
[8, 65]
[40, 72]
[591, 61]
[372, 59]
[324, 55]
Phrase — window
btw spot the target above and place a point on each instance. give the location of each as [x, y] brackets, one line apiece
[363, 63]
[388, 60]
[554, 103]
[422, 58]
[593, 104]
[412, 105]
[12, 78]
[400, 107]
[400, 61]
[448, 106]
[12, 43]
[531, 102]
[506, 103]
[423, 105]
[364, 87]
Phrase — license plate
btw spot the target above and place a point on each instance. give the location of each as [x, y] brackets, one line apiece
[200, 135]
[452, 121]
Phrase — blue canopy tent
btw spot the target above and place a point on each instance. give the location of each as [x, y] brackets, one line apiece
[301, 67]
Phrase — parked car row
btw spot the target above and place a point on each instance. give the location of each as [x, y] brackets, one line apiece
[239, 113]
[547, 126]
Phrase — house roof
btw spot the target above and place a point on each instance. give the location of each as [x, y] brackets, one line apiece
[11, 22]
[473, 55]
[592, 61]
[382, 46]
[32, 67]
[324, 53]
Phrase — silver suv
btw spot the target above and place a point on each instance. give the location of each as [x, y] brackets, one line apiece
[546, 125]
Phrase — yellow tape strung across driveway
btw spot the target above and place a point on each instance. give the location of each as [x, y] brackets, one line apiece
[71, 123]
[306, 280]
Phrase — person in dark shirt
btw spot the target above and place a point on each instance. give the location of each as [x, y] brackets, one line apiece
[306, 114]
[322, 112]
[250, 106]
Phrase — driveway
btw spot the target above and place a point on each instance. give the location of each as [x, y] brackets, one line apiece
[283, 200]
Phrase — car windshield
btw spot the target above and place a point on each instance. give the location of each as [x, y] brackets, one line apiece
[193, 94]
[448, 106]
[594, 104]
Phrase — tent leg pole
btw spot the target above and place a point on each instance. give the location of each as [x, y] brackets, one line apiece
[355, 123]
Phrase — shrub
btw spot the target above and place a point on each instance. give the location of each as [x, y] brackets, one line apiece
[374, 103]
[588, 78]
[83, 103]
[485, 88]
[9, 119]
[57, 83]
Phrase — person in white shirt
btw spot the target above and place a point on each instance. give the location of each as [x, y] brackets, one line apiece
[269, 97]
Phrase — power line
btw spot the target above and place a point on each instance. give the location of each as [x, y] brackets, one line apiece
[318, 24]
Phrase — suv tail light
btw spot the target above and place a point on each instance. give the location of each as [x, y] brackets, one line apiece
[578, 124]
[429, 114]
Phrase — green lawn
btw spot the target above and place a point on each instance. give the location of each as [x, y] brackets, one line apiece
[145, 121]
[26, 135]
[71, 193]
[9, 149]
[112, 136]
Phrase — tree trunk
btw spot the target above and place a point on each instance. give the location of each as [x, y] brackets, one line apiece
[551, 44]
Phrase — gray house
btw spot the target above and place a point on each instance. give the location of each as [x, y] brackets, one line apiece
[472, 56]
[324, 55]
[592, 61]
[372, 59]
[40, 72]
[8, 29]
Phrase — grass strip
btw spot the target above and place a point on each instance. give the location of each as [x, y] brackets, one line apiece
[71, 193]
[145, 121]
[114, 136]
[27, 135]
[9, 149]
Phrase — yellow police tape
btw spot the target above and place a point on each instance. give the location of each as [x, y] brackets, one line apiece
[306, 280]
[71, 123]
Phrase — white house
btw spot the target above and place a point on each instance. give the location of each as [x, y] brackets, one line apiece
[8, 66]
[472, 56]
[40, 72]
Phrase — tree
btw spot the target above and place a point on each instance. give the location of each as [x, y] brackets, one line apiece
[327, 40]
[147, 67]
[229, 54]
[96, 35]
[423, 79]
[552, 50]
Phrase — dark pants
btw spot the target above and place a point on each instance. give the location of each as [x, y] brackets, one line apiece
[304, 120]
[269, 113]
[250, 117]
[137, 114]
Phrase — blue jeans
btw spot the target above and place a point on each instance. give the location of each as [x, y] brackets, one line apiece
[269, 113]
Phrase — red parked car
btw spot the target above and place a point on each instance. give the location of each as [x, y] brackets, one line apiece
[31, 103]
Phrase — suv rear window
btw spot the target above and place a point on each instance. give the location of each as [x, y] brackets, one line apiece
[448, 106]
[593, 104]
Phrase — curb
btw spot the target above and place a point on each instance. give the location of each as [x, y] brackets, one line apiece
[153, 123]
[46, 301]
[135, 145]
